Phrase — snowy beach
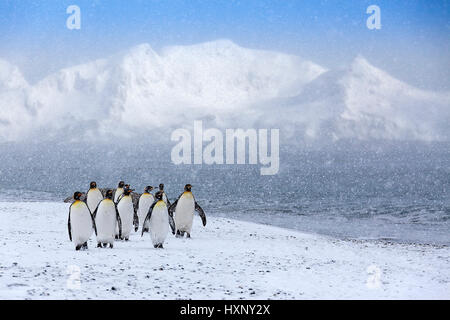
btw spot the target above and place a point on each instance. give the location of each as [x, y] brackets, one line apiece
[228, 259]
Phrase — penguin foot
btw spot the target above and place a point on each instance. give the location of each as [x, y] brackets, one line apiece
[78, 247]
[105, 245]
[188, 235]
[159, 245]
[117, 237]
[178, 235]
[111, 245]
[99, 245]
[126, 239]
[84, 246]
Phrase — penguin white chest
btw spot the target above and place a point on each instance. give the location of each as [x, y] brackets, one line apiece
[145, 201]
[94, 197]
[81, 222]
[119, 192]
[126, 212]
[184, 212]
[105, 220]
[159, 223]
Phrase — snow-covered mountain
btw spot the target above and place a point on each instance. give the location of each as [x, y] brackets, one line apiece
[15, 117]
[142, 91]
[364, 102]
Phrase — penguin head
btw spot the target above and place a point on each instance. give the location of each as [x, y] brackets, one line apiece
[77, 195]
[127, 190]
[161, 186]
[109, 194]
[187, 187]
[121, 184]
[93, 185]
[158, 195]
[148, 189]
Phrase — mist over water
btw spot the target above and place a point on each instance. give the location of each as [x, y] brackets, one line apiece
[378, 190]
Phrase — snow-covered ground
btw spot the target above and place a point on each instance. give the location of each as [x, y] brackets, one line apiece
[228, 259]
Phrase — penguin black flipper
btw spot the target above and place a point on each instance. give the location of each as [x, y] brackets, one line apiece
[173, 206]
[136, 222]
[171, 209]
[69, 225]
[172, 223]
[168, 201]
[136, 207]
[94, 214]
[135, 197]
[93, 223]
[201, 213]
[135, 200]
[119, 221]
[147, 217]
[120, 198]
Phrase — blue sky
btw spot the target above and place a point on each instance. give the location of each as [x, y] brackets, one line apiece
[413, 44]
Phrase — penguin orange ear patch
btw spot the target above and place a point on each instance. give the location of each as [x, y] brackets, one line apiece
[188, 194]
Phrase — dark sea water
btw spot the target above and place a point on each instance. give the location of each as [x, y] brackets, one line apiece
[399, 192]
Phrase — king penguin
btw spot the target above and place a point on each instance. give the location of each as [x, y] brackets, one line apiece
[184, 208]
[119, 191]
[107, 218]
[144, 203]
[164, 195]
[127, 214]
[157, 221]
[80, 223]
[93, 196]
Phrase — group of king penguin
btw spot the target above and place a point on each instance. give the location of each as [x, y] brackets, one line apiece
[112, 215]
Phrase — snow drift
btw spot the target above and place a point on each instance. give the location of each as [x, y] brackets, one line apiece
[141, 91]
